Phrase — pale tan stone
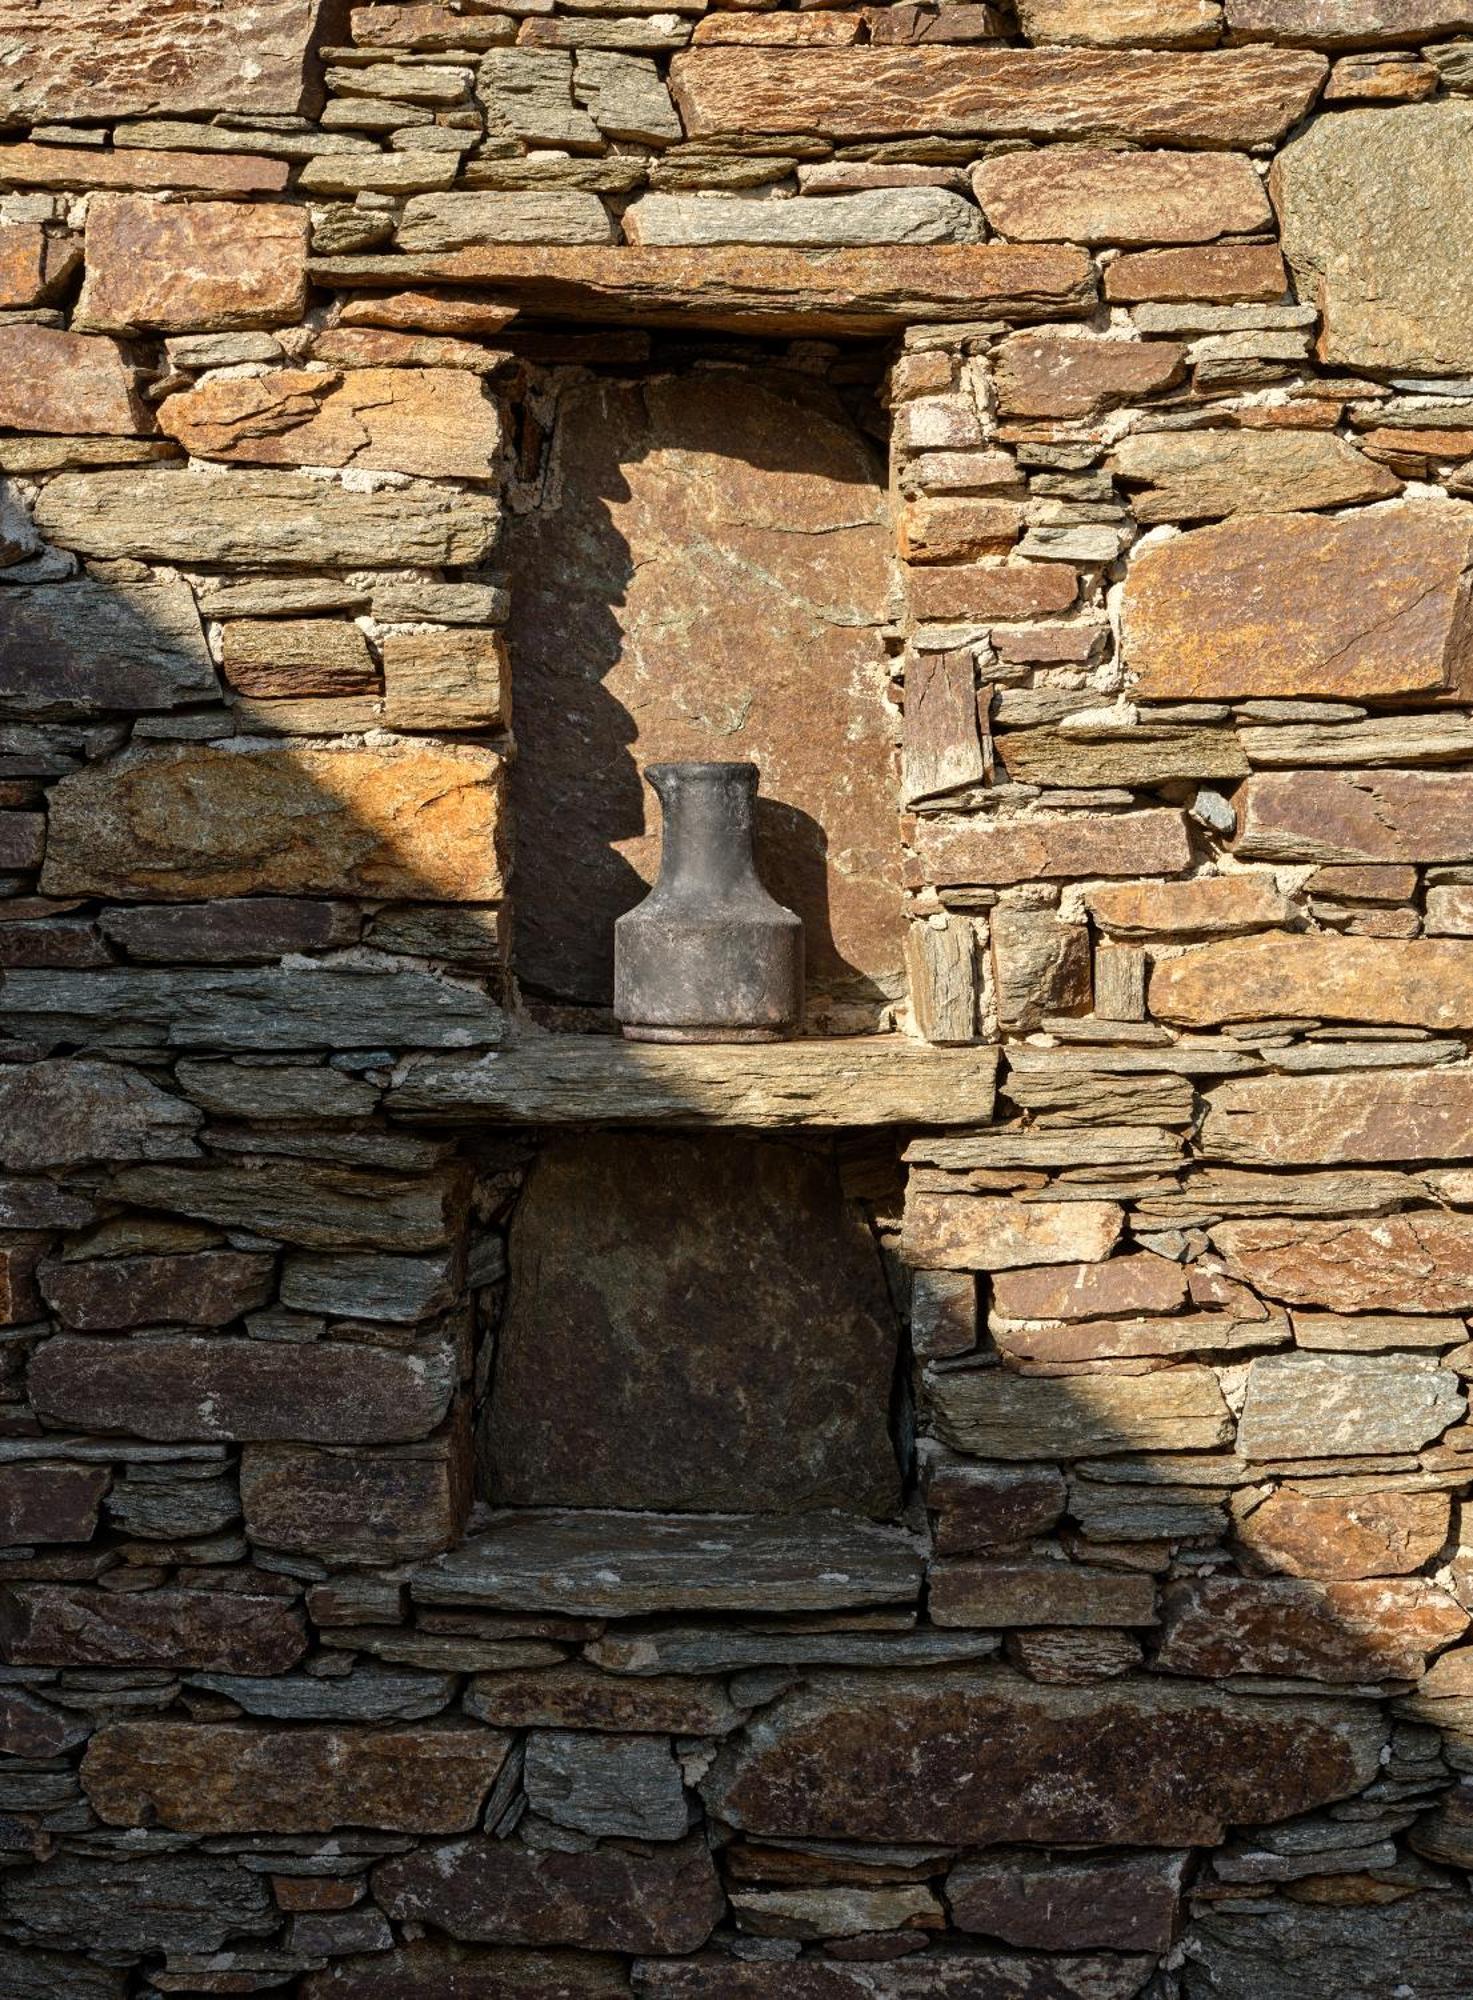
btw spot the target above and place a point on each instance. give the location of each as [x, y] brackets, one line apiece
[965, 1232]
[998, 1414]
[1229, 98]
[1098, 196]
[192, 266]
[1153, 842]
[1197, 475]
[1141, 1283]
[1370, 603]
[67, 382]
[104, 59]
[1275, 1121]
[1128, 24]
[142, 168]
[402, 820]
[1356, 817]
[1347, 24]
[1375, 207]
[1206, 905]
[438, 423]
[1419, 982]
[1226, 272]
[445, 680]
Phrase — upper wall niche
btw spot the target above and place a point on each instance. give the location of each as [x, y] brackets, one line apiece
[706, 577]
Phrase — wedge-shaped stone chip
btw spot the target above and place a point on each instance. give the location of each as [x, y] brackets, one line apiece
[981, 1756]
[1370, 603]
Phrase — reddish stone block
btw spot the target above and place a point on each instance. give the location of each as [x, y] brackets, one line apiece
[192, 267]
[50, 1503]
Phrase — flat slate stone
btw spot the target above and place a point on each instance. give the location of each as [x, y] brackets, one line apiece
[197, 266]
[1417, 982]
[67, 1113]
[997, 1414]
[625, 1786]
[640, 1264]
[62, 1625]
[588, 1080]
[664, 1898]
[1373, 206]
[616, 1565]
[194, 58]
[1317, 1120]
[754, 289]
[1229, 98]
[1330, 1405]
[953, 1975]
[1356, 816]
[217, 1778]
[1296, 1952]
[717, 1649]
[845, 221]
[435, 1970]
[370, 1693]
[71, 649]
[324, 1207]
[1196, 475]
[1123, 1902]
[28, 1974]
[1343, 1631]
[172, 1902]
[327, 1392]
[1368, 603]
[982, 1756]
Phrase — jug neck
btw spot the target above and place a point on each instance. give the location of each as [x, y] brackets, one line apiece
[709, 821]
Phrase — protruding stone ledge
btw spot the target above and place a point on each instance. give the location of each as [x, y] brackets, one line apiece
[597, 1564]
[578, 1080]
[871, 291]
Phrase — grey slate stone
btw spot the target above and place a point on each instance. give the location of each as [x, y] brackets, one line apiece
[240, 1090]
[1328, 1405]
[371, 1693]
[1418, 1947]
[67, 1113]
[434, 222]
[607, 1785]
[594, 1564]
[270, 1008]
[716, 1649]
[176, 1902]
[827, 222]
[367, 1286]
[71, 649]
[43, 1975]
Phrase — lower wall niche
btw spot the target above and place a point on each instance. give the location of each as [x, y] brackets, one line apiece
[694, 1323]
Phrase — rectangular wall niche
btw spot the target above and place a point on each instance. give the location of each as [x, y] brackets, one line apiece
[693, 1324]
[704, 568]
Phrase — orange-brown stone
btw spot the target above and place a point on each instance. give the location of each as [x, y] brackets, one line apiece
[436, 423]
[1421, 1262]
[1356, 816]
[105, 59]
[191, 267]
[1089, 196]
[967, 591]
[407, 820]
[1299, 1532]
[142, 168]
[1416, 982]
[67, 382]
[1223, 273]
[1204, 905]
[1374, 602]
[1323, 1120]
[23, 247]
[1153, 842]
[1054, 374]
[1229, 98]
[218, 1778]
[1377, 1630]
[1142, 1283]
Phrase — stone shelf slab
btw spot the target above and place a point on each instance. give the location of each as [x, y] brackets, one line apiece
[596, 1080]
[861, 292]
[601, 1564]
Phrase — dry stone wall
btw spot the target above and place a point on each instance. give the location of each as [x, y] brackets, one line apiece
[915, 1543]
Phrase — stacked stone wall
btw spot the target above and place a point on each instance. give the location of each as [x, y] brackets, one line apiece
[1042, 436]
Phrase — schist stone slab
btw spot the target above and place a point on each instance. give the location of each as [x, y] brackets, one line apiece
[65, 1113]
[640, 1265]
[59, 1625]
[607, 1564]
[588, 1080]
[170, 1902]
[983, 1756]
[70, 649]
[951, 1975]
[435, 1970]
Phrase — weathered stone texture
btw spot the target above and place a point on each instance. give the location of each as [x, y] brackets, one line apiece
[132, 1906]
[1323, 1406]
[55, 381]
[1356, 816]
[942, 1975]
[65, 1113]
[889, 215]
[606, 1784]
[1052, 374]
[331, 1392]
[437, 423]
[1382, 1630]
[1319, 1120]
[1369, 603]
[1235, 98]
[595, 1564]
[877, 1756]
[1186, 24]
[1153, 842]
[270, 520]
[639, 1267]
[403, 819]
[359, 1506]
[662, 1899]
[215, 1778]
[74, 648]
[1422, 982]
[1196, 475]
[49, 1503]
[1202, 906]
[1298, 1532]
[440, 1971]
[1294, 1952]
[1090, 196]
[73, 59]
[56, 1625]
[1001, 1415]
[1118, 1903]
[758, 523]
[964, 1232]
[206, 1288]
[191, 266]
[1373, 205]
